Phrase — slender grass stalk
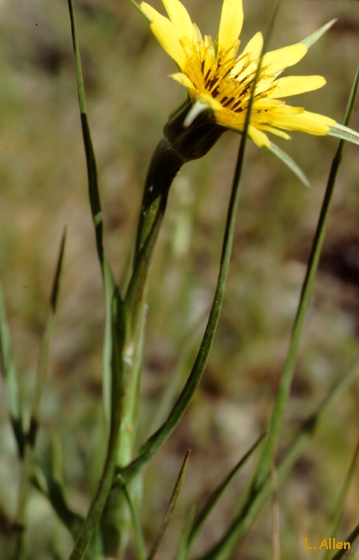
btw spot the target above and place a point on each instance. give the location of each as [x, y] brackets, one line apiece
[117, 392]
[263, 467]
[338, 509]
[96, 213]
[11, 383]
[353, 539]
[213, 499]
[171, 508]
[182, 549]
[275, 516]
[139, 540]
[245, 518]
[43, 478]
[48, 485]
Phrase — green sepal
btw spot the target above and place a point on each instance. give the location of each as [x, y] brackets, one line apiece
[344, 133]
[313, 38]
[289, 162]
[139, 9]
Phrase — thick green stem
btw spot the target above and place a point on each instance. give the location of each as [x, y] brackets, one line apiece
[163, 168]
[116, 521]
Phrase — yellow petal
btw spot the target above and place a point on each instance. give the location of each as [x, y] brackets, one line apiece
[165, 34]
[183, 80]
[180, 18]
[275, 131]
[254, 46]
[276, 61]
[311, 123]
[258, 136]
[252, 50]
[197, 34]
[231, 24]
[207, 99]
[265, 104]
[209, 53]
[293, 85]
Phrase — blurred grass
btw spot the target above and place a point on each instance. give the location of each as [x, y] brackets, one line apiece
[43, 189]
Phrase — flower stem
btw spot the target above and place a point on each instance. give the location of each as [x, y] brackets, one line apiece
[116, 520]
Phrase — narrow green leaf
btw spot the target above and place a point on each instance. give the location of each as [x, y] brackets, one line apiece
[56, 282]
[313, 38]
[136, 524]
[264, 464]
[43, 479]
[344, 133]
[45, 347]
[8, 372]
[339, 506]
[353, 539]
[98, 501]
[89, 152]
[96, 212]
[30, 441]
[109, 292]
[217, 493]
[289, 162]
[257, 499]
[45, 482]
[170, 509]
[139, 9]
[182, 548]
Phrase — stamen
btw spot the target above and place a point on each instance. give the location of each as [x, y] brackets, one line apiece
[227, 101]
[207, 75]
[236, 105]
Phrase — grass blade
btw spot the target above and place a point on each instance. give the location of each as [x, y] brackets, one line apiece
[52, 489]
[283, 392]
[96, 213]
[170, 509]
[344, 133]
[313, 38]
[89, 152]
[289, 162]
[217, 493]
[30, 441]
[245, 518]
[117, 395]
[181, 553]
[353, 540]
[139, 539]
[338, 509]
[139, 9]
[8, 372]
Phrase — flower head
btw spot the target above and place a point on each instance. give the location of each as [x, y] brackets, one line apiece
[219, 79]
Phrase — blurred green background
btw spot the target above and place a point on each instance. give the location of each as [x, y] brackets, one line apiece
[43, 189]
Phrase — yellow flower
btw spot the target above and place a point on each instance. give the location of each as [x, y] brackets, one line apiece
[220, 80]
